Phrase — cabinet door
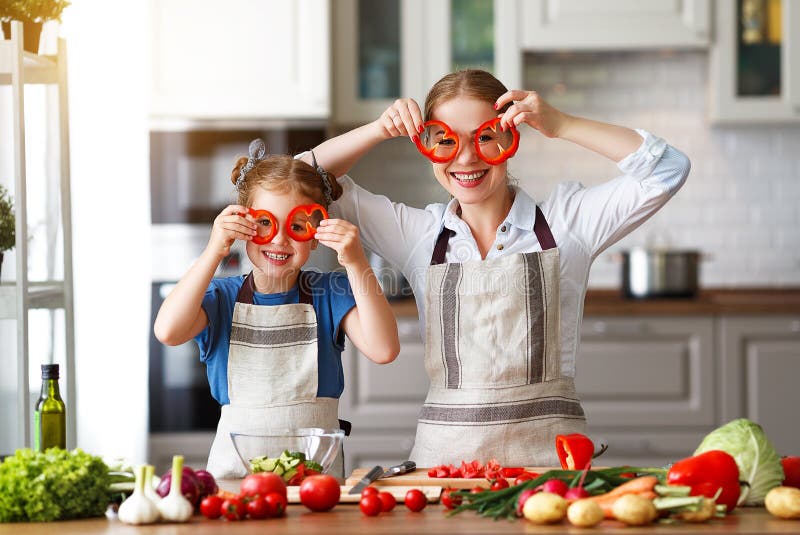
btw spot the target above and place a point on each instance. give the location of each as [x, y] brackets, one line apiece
[646, 372]
[760, 366]
[613, 24]
[755, 62]
[646, 448]
[245, 59]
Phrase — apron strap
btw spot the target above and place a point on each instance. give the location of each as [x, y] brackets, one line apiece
[245, 294]
[540, 228]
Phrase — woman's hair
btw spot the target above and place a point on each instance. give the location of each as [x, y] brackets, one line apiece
[283, 173]
[474, 83]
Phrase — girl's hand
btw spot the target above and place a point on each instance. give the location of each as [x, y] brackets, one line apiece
[342, 237]
[402, 118]
[533, 110]
[228, 227]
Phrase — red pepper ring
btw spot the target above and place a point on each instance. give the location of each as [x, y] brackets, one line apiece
[575, 451]
[430, 153]
[310, 230]
[258, 214]
[505, 154]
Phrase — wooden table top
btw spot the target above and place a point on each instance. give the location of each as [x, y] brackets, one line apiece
[347, 519]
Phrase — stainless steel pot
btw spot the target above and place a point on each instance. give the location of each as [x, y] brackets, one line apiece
[650, 273]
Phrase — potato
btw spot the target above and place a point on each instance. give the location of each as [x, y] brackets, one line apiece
[783, 502]
[634, 510]
[707, 509]
[545, 508]
[584, 513]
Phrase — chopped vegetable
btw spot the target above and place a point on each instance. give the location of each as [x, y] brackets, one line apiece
[138, 508]
[174, 507]
[52, 485]
[783, 502]
[293, 466]
[759, 463]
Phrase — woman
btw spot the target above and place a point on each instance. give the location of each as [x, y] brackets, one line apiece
[499, 278]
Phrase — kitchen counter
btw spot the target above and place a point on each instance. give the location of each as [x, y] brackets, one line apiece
[348, 520]
[740, 301]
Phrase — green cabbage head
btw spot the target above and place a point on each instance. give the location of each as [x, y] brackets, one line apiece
[759, 463]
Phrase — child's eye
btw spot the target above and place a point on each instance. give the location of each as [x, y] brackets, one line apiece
[266, 223]
[298, 228]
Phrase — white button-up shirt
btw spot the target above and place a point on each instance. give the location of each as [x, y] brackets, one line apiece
[584, 222]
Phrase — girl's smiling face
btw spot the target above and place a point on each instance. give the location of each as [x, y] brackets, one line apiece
[281, 259]
[466, 177]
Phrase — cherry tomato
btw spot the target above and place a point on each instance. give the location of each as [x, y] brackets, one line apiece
[387, 501]
[476, 490]
[369, 491]
[262, 483]
[510, 472]
[276, 504]
[233, 509]
[258, 507]
[499, 484]
[211, 507]
[448, 500]
[416, 500]
[370, 504]
[320, 493]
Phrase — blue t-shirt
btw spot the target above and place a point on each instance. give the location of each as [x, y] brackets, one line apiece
[332, 298]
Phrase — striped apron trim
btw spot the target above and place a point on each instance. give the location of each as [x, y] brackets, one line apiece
[449, 323]
[490, 413]
[269, 338]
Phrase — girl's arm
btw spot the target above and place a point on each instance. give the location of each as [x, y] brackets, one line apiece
[613, 142]
[371, 324]
[181, 316]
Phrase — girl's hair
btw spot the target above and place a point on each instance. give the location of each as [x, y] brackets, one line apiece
[474, 83]
[283, 173]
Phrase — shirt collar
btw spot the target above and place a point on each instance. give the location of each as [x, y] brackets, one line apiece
[522, 214]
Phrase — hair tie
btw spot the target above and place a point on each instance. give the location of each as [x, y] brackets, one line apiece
[327, 190]
[257, 151]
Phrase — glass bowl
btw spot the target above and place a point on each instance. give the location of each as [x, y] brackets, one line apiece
[317, 444]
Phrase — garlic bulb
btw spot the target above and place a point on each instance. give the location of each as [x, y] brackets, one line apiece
[137, 508]
[174, 507]
[149, 489]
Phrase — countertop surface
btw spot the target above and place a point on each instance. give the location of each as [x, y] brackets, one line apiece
[740, 301]
[347, 519]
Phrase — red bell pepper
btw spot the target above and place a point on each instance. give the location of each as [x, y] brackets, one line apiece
[791, 471]
[575, 451]
[273, 229]
[310, 231]
[430, 152]
[707, 474]
[505, 153]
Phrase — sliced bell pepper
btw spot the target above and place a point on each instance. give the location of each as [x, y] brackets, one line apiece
[707, 474]
[504, 153]
[575, 451]
[260, 215]
[310, 231]
[430, 152]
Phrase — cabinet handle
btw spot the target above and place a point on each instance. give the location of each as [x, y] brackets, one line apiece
[601, 327]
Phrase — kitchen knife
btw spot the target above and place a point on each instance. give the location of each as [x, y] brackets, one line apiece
[378, 472]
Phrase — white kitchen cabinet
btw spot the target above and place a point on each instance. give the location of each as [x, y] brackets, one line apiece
[756, 79]
[243, 59]
[612, 24]
[759, 365]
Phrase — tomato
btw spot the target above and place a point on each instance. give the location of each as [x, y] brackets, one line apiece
[448, 500]
[211, 507]
[499, 484]
[387, 501]
[276, 504]
[476, 490]
[416, 500]
[262, 483]
[233, 509]
[522, 478]
[320, 493]
[791, 471]
[258, 507]
[509, 472]
[370, 504]
[369, 491]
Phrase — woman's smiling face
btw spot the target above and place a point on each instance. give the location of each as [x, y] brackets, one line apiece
[466, 177]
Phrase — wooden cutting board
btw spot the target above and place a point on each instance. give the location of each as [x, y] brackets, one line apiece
[419, 478]
[431, 491]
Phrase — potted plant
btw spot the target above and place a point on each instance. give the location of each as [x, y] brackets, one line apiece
[33, 14]
[7, 227]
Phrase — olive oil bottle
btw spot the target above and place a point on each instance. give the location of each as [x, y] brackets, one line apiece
[50, 416]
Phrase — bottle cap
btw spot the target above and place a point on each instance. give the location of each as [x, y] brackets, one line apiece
[49, 371]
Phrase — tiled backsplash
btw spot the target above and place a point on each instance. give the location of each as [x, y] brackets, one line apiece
[740, 205]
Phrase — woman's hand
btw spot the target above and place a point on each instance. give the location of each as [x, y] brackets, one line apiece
[230, 225]
[402, 118]
[533, 110]
[342, 237]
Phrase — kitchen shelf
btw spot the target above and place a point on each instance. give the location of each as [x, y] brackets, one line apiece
[19, 69]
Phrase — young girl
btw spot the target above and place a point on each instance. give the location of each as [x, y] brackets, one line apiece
[272, 340]
[499, 278]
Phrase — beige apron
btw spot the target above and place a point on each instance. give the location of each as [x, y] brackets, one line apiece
[492, 352]
[272, 377]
